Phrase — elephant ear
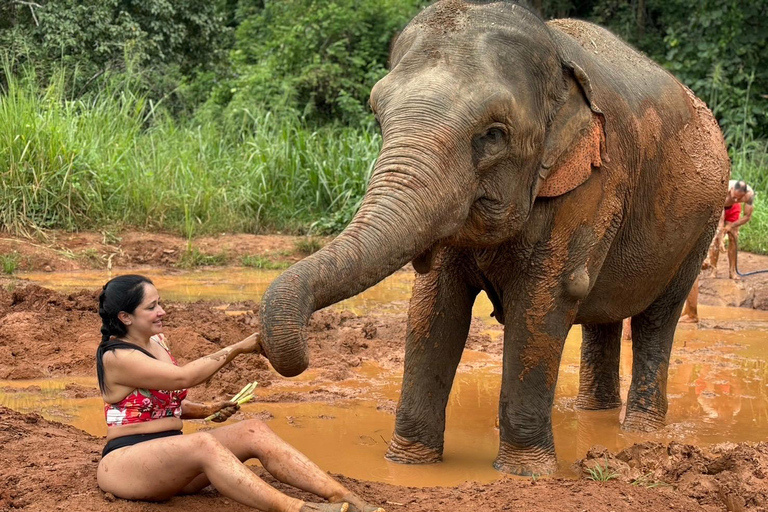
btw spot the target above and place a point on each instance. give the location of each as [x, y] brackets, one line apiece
[575, 142]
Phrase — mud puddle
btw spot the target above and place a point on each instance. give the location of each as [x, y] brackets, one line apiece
[718, 384]
[717, 390]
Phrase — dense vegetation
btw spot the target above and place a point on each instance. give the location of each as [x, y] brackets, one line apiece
[251, 115]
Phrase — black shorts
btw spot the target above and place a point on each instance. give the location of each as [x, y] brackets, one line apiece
[122, 442]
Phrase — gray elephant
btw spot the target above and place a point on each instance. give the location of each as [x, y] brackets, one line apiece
[555, 168]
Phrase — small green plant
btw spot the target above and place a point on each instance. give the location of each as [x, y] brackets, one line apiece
[110, 237]
[10, 262]
[260, 262]
[92, 257]
[307, 246]
[192, 257]
[601, 473]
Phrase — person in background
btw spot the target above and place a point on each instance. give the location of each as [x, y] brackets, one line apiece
[148, 458]
[730, 221]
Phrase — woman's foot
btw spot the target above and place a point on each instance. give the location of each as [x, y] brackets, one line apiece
[325, 507]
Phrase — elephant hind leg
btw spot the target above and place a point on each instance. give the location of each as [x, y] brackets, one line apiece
[653, 331]
[599, 385]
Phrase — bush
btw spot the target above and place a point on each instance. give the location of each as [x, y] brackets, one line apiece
[320, 58]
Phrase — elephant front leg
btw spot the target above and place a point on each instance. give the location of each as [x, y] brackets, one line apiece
[599, 383]
[439, 316]
[532, 353]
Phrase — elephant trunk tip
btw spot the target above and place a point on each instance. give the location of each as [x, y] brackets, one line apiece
[284, 313]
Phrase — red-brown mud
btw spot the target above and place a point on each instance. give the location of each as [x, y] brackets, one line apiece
[48, 334]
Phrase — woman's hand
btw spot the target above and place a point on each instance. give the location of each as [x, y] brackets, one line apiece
[251, 344]
[221, 411]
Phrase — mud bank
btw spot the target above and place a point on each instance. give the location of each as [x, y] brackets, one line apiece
[47, 334]
[46, 462]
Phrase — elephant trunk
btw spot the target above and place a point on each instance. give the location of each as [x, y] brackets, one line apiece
[399, 219]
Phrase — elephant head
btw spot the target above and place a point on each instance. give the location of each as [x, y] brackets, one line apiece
[480, 117]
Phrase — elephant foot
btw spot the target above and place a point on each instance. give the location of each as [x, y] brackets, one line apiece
[528, 462]
[639, 421]
[591, 403]
[403, 451]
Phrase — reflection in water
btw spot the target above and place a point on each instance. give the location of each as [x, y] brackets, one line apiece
[716, 388]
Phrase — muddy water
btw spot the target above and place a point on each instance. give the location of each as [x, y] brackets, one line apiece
[718, 391]
[230, 285]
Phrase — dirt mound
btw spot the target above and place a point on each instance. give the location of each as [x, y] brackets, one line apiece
[726, 475]
[45, 461]
[44, 333]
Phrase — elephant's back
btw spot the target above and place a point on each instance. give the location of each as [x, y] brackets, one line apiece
[616, 69]
[668, 162]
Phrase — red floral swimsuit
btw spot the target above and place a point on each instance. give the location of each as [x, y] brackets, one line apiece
[146, 404]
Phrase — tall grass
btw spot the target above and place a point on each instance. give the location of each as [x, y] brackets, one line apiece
[114, 158]
[750, 163]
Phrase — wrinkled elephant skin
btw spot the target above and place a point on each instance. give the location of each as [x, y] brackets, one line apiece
[549, 165]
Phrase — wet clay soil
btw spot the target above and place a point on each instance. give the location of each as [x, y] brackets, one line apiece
[48, 334]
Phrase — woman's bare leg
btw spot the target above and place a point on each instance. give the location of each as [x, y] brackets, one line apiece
[254, 439]
[158, 469]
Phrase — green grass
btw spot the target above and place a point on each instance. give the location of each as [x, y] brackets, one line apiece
[115, 158]
[309, 245]
[750, 163]
[263, 263]
[192, 257]
[601, 473]
[9, 262]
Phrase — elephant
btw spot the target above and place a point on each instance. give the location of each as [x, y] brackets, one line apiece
[553, 167]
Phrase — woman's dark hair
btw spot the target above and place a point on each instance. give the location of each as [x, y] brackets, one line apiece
[123, 293]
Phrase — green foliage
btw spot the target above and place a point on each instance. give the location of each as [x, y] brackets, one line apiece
[600, 473]
[10, 262]
[263, 263]
[717, 48]
[168, 41]
[114, 158]
[309, 245]
[321, 58]
[192, 258]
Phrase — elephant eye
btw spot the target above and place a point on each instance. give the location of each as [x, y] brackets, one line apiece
[492, 142]
[494, 135]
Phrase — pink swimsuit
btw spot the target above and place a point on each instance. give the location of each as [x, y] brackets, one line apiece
[146, 404]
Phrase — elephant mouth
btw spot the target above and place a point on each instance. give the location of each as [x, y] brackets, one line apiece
[424, 261]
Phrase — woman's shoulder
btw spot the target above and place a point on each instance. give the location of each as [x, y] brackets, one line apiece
[160, 340]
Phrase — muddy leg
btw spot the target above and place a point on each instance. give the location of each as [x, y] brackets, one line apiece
[652, 335]
[532, 351]
[733, 249]
[438, 324]
[714, 253]
[691, 308]
[599, 371]
[626, 329]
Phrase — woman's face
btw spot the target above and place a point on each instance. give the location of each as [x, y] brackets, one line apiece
[147, 319]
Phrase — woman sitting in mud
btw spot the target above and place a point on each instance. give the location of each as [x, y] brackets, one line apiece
[148, 458]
